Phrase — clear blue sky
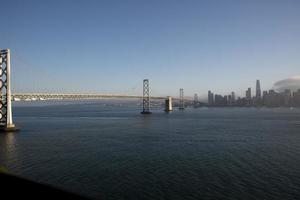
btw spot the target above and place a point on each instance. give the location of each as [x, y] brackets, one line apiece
[110, 46]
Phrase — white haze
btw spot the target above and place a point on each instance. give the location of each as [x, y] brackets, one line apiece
[292, 83]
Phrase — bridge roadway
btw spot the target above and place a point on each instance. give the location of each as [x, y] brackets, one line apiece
[41, 96]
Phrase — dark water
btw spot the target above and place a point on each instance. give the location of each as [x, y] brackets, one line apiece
[112, 152]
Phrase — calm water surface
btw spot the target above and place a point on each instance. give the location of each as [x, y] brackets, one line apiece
[106, 151]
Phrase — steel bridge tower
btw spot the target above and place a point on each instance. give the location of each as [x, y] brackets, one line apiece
[196, 100]
[6, 123]
[181, 99]
[146, 97]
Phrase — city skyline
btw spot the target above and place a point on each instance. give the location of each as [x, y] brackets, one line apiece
[109, 47]
[287, 94]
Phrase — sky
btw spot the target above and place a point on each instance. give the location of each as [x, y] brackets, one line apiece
[87, 46]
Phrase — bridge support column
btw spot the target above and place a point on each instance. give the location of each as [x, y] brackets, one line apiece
[168, 104]
[146, 97]
[6, 123]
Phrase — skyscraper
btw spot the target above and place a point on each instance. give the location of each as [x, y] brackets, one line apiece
[258, 90]
[264, 97]
[248, 94]
[210, 98]
[232, 97]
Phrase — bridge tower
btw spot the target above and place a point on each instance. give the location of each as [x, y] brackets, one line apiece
[196, 100]
[146, 97]
[181, 99]
[6, 123]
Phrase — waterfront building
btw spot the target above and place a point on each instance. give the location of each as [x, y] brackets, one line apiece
[233, 97]
[229, 100]
[210, 98]
[265, 93]
[296, 98]
[287, 95]
[274, 99]
[248, 96]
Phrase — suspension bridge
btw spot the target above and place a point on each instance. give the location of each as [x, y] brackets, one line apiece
[6, 97]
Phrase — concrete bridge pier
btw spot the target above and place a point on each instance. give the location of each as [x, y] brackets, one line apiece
[168, 104]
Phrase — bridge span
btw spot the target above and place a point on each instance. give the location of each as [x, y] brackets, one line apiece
[6, 123]
[74, 96]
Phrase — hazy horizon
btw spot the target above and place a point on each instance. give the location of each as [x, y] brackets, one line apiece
[111, 46]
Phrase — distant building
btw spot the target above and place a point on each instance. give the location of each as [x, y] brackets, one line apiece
[210, 98]
[258, 90]
[233, 97]
[287, 95]
[273, 99]
[221, 100]
[248, 94]
[296, 98]
[225, 100]
[265, 93]
[229, 100]
[241, 102]
[272, 92]
[218, 99]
